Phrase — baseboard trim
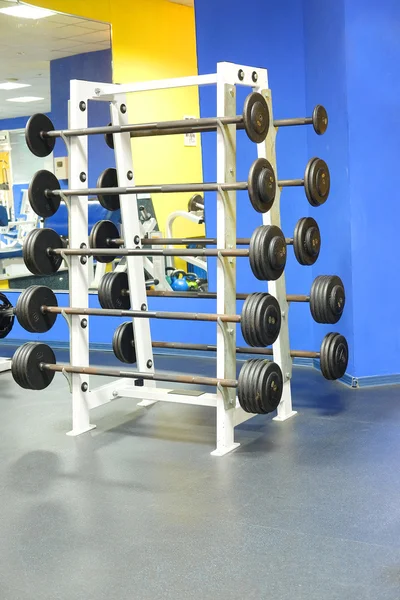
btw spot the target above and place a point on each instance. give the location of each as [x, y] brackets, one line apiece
[347, 379]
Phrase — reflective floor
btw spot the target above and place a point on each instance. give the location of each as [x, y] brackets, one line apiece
[137, 509]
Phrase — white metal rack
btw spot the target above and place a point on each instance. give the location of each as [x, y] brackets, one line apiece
[229, 413]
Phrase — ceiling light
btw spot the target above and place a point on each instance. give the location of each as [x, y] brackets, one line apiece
[27, 12]
[9, 85]
[24, 99]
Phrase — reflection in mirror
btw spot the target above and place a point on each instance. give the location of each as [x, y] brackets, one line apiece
[44, 50]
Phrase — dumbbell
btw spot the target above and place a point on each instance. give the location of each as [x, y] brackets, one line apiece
[260, 319]
[326, 299]
[333, 354]
[259, 385]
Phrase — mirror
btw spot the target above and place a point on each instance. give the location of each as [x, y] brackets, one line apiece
[44, 50]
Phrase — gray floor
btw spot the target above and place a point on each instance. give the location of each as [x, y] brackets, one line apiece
[138, 509]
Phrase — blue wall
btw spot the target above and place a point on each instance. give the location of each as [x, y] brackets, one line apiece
[373, 84]
[262, 34]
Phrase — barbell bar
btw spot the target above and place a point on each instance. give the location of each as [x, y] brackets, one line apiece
[319, 120]
[259, 385]
[41, 136]
[44, 251]
[327, 295]
[260, 319]
[333, 354]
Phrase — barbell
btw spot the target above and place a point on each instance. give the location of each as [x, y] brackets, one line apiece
[326, 299]
[45, 193]
[319, 120]
[260, 319]
[259, 385]
[44, 250]
[306, 244]
[41, 136]
[333, 354]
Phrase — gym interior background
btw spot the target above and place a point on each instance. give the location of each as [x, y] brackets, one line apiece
[329, 525]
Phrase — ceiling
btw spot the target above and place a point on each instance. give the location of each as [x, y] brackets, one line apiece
[27, 47]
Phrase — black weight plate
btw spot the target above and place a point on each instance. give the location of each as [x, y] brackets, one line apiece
[254, 254]
[270, 320]
[336, 298]
[317, 181]
[36, 257]
[275, 245]
[102, 290]
[338, 356]
[323, 356]
[23, 375]
[43, 181]
[324, 300]
[108, 178]
[243, 385]
[6, 320]
[252, 386]
[270, 388]
[37, 145]
[320, 119]
[26, 251]
[261, 185]
[123, 343]
[194, 201]
[100, 236]
[256, 117]
[109, 138]
[306, 241]
[15, 366]
[28, 309]
[39, 379]
[315, 302]
[247, 321]
[22, 308]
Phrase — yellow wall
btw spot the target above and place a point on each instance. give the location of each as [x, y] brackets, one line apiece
[153, 39]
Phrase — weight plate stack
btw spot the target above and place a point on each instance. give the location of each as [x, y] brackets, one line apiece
[36, 257]
[108, 178]
[260, 386]
[111, 291]
[260, 320]
[267, 253]
[327, 299]
[29, 309]
[25, 366]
